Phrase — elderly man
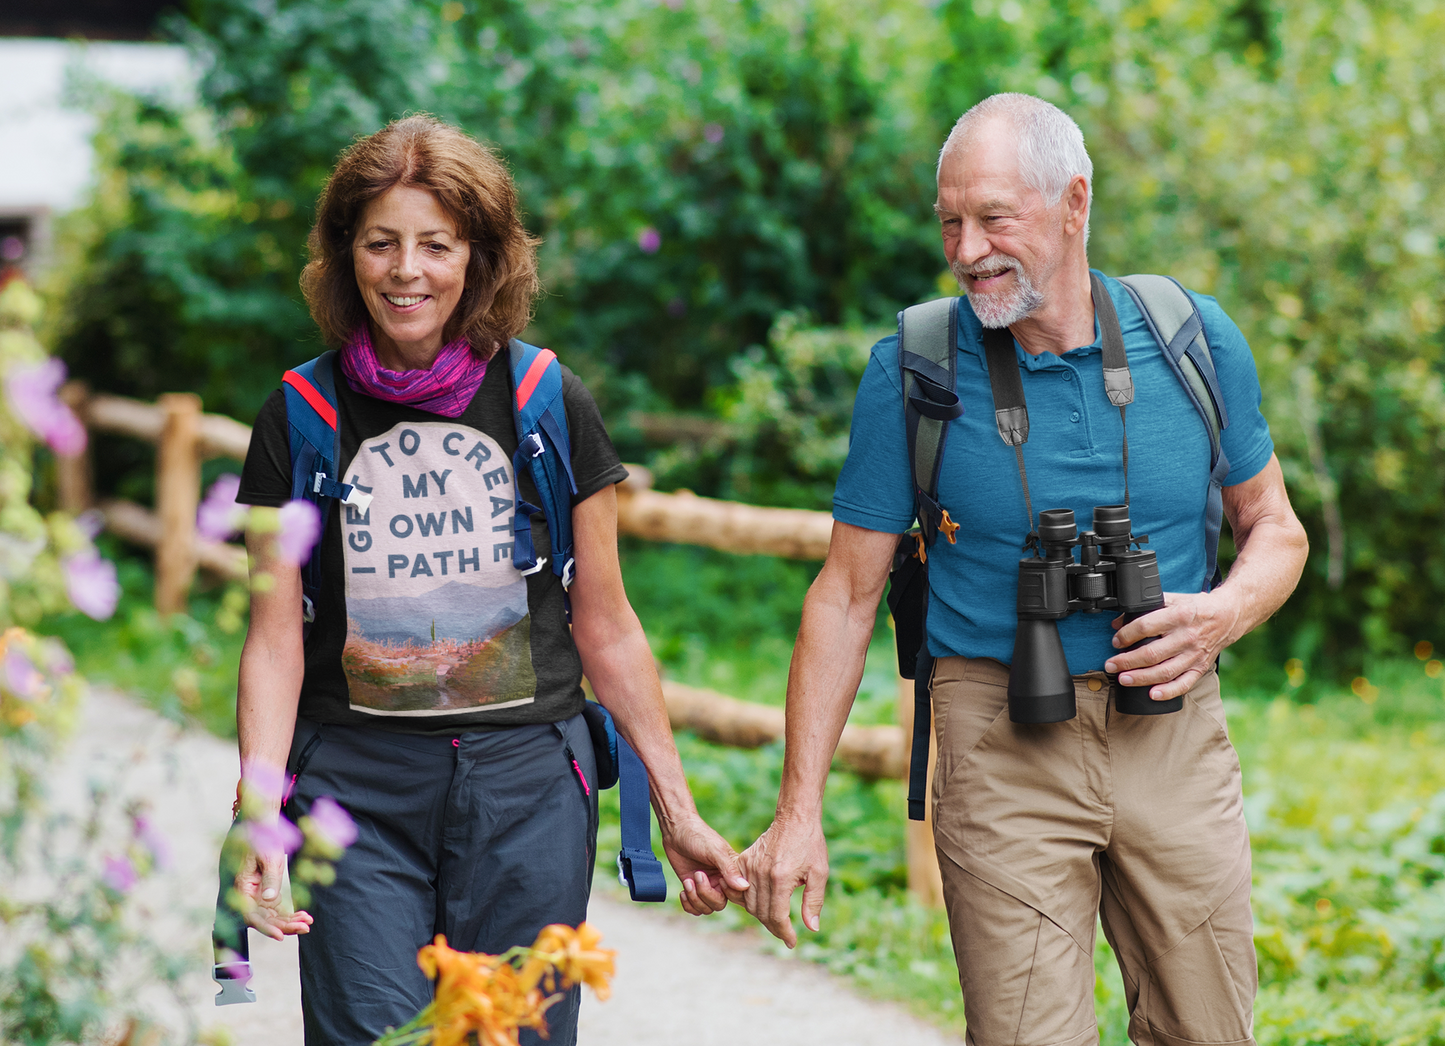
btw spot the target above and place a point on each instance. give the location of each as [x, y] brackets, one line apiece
[1041, 825]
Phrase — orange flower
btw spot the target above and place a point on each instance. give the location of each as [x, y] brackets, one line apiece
[575, 957]
[478, 993]
[491, 997]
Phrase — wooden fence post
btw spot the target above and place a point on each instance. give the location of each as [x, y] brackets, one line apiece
[924, 880]
[73, 474]
[178, 494]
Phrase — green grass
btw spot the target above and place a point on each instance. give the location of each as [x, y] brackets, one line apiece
[1345, 797]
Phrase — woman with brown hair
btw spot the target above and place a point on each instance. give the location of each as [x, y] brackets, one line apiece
[437, 694]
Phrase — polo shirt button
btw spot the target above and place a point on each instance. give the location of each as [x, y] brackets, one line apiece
[1096, 684]
[1068, 375]
[1074, 416]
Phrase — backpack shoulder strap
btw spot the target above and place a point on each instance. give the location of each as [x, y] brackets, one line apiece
[544, 448]
[928, 368]
[312, 418]
[1174, 320]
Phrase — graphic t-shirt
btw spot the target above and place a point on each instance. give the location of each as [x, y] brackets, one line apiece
[423, 624]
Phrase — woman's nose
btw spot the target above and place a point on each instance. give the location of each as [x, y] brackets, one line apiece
[405, 266]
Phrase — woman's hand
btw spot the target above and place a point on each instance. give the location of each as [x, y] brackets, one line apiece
[706, 864]
[259, 883]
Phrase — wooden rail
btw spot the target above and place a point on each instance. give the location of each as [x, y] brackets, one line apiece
[185, 437]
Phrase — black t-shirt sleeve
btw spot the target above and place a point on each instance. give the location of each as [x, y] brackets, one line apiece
[595, 463]
[266, 475]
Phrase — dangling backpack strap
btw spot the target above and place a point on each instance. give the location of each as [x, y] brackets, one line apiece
[1175, 322]
[928, 369]
[312, 422]
[544, 449]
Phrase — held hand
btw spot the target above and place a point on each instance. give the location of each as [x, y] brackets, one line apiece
[259, 883]
[706, 864]
[786, 856]
[1191, 628]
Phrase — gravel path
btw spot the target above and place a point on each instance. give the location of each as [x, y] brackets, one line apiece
[676, 982]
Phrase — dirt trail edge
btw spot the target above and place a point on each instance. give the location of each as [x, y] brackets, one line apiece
[675, 983]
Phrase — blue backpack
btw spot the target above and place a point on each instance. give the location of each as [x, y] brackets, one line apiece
[544, 450]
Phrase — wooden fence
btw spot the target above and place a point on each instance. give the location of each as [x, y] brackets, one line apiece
[185, 437]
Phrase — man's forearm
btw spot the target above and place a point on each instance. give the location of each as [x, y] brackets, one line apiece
[1272, 549]
[823, 680]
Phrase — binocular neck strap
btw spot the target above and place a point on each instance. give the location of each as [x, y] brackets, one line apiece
[1011, 413]
[1009, 410]
[1118, 383]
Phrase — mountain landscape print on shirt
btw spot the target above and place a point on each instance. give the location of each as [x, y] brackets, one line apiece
[437, 619]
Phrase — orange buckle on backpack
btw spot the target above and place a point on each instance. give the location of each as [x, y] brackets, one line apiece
[949, 528]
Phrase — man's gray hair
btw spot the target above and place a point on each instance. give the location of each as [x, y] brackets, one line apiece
[1050, 145]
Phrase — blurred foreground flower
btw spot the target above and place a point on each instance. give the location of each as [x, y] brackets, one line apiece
[119, 874]
[494, 996]
[219, 516]
[33, 392]
[91, 583]
[300, 525]
[329, 826]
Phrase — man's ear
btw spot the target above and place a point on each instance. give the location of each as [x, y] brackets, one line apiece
[1076, 202]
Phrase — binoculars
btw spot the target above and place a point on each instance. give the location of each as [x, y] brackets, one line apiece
[1108, 575]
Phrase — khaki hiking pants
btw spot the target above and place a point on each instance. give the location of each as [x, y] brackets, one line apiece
[1137, 818]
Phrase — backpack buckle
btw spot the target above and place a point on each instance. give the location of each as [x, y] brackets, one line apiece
[535, 444]
[308, 610]
[569, 573]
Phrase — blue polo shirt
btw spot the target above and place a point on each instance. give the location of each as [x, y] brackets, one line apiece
[1074, 458]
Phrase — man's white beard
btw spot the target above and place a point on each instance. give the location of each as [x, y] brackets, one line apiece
[1000, 308]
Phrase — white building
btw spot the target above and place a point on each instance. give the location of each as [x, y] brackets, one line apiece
[45, 151]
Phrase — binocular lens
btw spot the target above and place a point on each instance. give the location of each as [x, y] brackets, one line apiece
[1111, 521]
[1056, 526]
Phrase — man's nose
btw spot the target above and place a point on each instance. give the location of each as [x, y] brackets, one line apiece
[971, 244]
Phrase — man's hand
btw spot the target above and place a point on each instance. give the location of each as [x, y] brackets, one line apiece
[786, 856]
[259, 883]
[1192, 630]
[706, 864]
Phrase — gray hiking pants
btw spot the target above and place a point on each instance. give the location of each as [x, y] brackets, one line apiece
[485, 837]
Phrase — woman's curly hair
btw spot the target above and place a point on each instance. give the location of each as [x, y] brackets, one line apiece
[472, 185]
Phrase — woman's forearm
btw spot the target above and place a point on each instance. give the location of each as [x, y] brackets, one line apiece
[272, 662]
[624, 678]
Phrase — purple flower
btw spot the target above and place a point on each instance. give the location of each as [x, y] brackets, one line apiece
[330, 821]
[151, 838]
[119, 874]
[33, 397]
[90, 582]
[649, 240]
[300, 527]
[21, 676]
[268, 837]
[713, 132]
[266, 780]
[90, 523]
[219, 516]
[58, 661]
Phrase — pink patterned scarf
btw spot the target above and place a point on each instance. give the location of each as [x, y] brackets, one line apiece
[446, 389]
